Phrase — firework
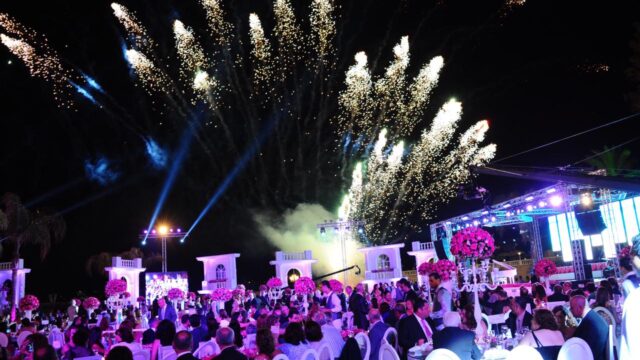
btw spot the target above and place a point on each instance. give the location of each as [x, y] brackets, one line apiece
[288, 34]
[135, 30]
[205, 87]
[419, 94]
[220, 29]
[323, 27]
[152, 78]
[390, 89]
[356, 99]
[261, 54]
[189, 50]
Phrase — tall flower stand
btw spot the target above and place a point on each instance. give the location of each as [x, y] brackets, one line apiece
[115, 303]
[275, 294]
[474, 279]
[28, 314]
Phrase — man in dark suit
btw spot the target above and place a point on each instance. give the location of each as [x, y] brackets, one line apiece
[359, 306]
[259, 302]
[182, 346]
[408, 292]
[378, 328]
[416, 328]
[592, 329]
[461, 342]
[557, 294]
[199, 333]
[166, 311]
[225, 338]
[519, 317]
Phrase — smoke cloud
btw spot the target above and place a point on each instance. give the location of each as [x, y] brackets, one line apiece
[296, 230]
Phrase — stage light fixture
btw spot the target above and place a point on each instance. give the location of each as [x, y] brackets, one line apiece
[529, 207]
[163, 230]
[528, 198]
[555, 200]
[551, 191]
[586, 200]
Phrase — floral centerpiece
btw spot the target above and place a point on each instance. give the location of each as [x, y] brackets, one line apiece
[191, 295]
[274, 282]
[115, 287]
[472, 242]
[29, 303]
[140, 299]
[426, 268]
[625, 253]
[175, 294]
[336, 286]
[445, 268]
[237, 293]
[91, 303]
[221, 294]
[545, 268]
[304, 286]
[125, 295]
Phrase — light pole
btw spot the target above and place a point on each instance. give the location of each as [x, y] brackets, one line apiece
[343, 227]
[163, 232]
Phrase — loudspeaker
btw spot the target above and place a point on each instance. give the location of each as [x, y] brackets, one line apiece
[439, 246]
[589, 220]
[588, 274]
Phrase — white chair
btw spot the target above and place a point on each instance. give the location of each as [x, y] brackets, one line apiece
[524, 352]
[442, 354]
[364, 344]
[143, 354]
[347, 318]
[207, 349]
[611, 344]
[325, 352]
[390, 337]
[167, 353]
[575, 348]
[387, 352]
[280, 357]
[4, 340]
[23, 335]
[309, 355]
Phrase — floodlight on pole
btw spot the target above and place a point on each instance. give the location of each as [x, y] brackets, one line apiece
[163, 232]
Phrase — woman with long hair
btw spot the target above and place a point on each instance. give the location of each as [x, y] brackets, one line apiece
[165, 333]
[545, 335]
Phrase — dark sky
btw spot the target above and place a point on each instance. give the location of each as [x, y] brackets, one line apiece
[529, 70]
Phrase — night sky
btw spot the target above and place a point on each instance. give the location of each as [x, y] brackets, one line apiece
[538, 72]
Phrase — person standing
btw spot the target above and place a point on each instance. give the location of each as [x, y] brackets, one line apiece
[359, 306]
[442, 300]
[629, 349]
[331, 302]
[166, 311]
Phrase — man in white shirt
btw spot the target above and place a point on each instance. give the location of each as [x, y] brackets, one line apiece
[629, 346]
[331, 302]
[442, 302]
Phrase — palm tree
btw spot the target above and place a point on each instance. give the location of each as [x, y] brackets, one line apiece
[614, 162]
[20, 226]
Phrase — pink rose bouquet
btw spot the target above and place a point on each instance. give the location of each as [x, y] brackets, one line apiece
[304, 285]
[274, 282]
[29, 303]
[191, 295]
[336, 286]
[91, 303]
[175, 294]
[472, 242]
[221, 294]
[426, 268]
[445, 268]
[115, 287]
[546, 268]
[140, 299]
[625, 252]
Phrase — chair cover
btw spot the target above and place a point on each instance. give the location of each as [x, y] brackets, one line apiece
[365, 345]
[387, 352]
[442, 354]
[325, 352]
[575, 348]
[524, 352]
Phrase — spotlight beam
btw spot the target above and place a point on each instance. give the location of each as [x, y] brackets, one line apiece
[185, 142]
[242, 162]
[53, 192]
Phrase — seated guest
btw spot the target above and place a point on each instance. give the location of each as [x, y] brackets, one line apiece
[591, 291]
[566, 325]
[164, 337]
[313, 334]
[184, 323]
[119, 353]
[376, 332]
[592, 329]
[539, 295]
[351, 350]
[330, 334]
[182, 345]
[500, 304]
[524, 293]
[452, 337]
[266, 345]
[228, 351]
[415, 329]
[469, 322]
[629, 345]
[149, 335]
[558, 295]
[124, 337]
[294, 345]
[49, 353]
[80, 345]
[544, 335]
[198, 332]
[519, 319]
[567, 288]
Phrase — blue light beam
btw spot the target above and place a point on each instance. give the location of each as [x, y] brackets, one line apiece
[185, 142]
[242, 162]
[157, 155]
[100, 171]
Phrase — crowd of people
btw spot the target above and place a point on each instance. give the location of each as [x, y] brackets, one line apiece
[253, 325]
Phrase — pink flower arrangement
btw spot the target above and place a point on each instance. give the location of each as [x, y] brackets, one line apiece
[336, 286]
[238, 293]
[91, 303]
[29, 303]
[546, 268]
[472, 242]
[304, 285]
[191, 295]
[221, 294]
[115, 287]
[126, 295]
[140, 299]
[426, 268]
[175, 294]
[625, 252]
[274, 282]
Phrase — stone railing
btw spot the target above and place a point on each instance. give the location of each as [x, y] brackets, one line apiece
[288, 256]
[124, 263]
[380, 274]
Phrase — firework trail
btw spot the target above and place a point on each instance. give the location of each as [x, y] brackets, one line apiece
[152, 78]
[323, 27]
[220, 29]
[261, 56]
[138, 35]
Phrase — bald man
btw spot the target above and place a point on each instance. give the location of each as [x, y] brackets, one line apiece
[592, 329]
